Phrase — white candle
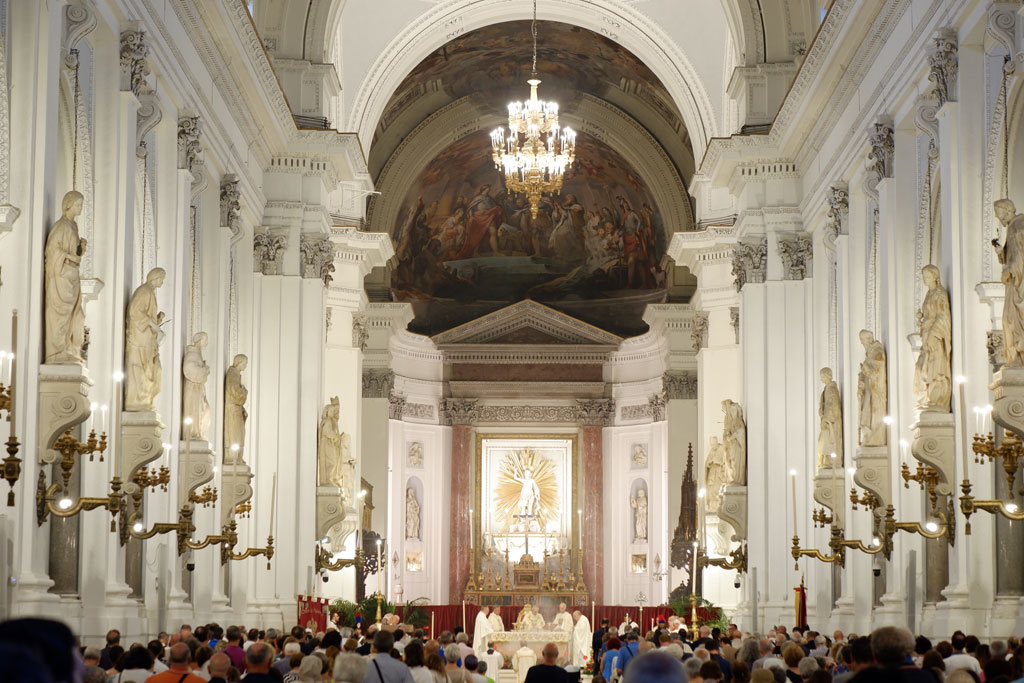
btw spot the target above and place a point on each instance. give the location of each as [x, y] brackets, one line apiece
[961, 381]
[273, 502]
[116, 434]
[92, 416]
[5, 376]
[985, 418]
[579, 536]
[792, 475]
[188, 461]
[977, 420]
[903, 450]
[471, 528]
[13, 369]
[103, 417]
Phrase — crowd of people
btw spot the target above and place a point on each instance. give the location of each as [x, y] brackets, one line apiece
[43, 651]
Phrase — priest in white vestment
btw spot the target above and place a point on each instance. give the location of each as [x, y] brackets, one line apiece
[497, 625]
[582, 643]
[482, 630]
[522, 660]
[563, 620]
[530, 620]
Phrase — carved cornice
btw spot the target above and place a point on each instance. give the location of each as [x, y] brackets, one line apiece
[749, 261]
[230, 203]
[595, 411]
[377, 383]
[189, 147]
[459, 411]
[268, 247]
[317, 252]
[699, 333]
[528, 413]
[134, 62]
[679, 385]
[880, 138]
[942, 66]
[797, 253]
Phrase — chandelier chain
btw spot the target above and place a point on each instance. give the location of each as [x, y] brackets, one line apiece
[533, 30]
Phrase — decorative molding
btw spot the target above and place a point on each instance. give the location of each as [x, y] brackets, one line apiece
[658, 406]
[1002, 25]
[594, 411]
[733, 510]
[396, 406]
[142, 443]
[749, 261]
[838, 213]
[189, 147]
[797, 253]
[563, 329]
[883, 148]
[943, 64]
[146, 117]
[419, 411]
[63, 404]
[699, 333]
[528, 413]
[134, 62]
[679, 385]
[230, 204]
[994, 345]
[268, 249]
[638, 411]
[377, 382]
[459, 411]
[734, 318]
[317, 252]
[361, 334]
[926, 121]
[79, 21]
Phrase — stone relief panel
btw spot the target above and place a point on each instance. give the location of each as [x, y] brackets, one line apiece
[414, 454]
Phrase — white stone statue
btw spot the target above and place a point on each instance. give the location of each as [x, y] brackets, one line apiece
[142, 368]
[582, 640]
[734, 437]
[639, 505]
[529, 497]
[872, 394]
[412, 515]
[933, 374]
[415, 458]
[62, 304]
[717, 474]
[235, 414]
[563, 620]
[830, 414]
[639, 455]
[329, 447]
[1011, 255]
[195, 372]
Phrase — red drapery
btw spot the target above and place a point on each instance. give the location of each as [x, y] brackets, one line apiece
[447, 617]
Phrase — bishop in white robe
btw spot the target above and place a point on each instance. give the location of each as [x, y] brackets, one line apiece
[563, 620]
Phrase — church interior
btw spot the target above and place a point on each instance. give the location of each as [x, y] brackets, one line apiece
[632, 306]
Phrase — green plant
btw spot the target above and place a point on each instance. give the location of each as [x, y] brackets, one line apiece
[368, 608]
[414, 615]
[707, 613]
[346, 609]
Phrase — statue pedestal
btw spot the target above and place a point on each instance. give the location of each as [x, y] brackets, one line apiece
[63, 403]
[872, 474]
[330, 510]
[141, 444]
[733, 510]
[195, 462]
[1008, 403]
[830, 491]
[934, 444]
[236, 488]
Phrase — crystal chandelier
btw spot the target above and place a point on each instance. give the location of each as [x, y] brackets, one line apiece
[537, 151]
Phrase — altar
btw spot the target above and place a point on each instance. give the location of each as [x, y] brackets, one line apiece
[507, 642]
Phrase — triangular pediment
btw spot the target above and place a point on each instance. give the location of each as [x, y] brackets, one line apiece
[527, 323]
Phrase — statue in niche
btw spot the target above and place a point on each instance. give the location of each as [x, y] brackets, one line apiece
[335, 465]
[933, 375]
[639, 505]
[872, 393]
[639, 455]
[1011, 256]
[415, 458]
[529, 496]
[734, 437]
[195, 372]
[716, 474]
[235, 414]
[64, 317]
[142, 368]
[830, 414]
[412, 515]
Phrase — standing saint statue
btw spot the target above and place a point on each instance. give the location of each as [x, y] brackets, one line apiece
[872, 393]
[529, 497]
[235, 414]
[933, 375]
[830, 414]
[195, 372]
[62, 304]
[412, 515]
[716, 474]
[639, 505]
[734, 436]
[142, 368]
[332, 451]
[1011, 256]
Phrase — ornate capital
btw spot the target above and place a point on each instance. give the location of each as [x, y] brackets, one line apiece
[267, 248]
[749, 261]
[838, 213]
[377, 383]
[594, 411]
[189, 147]
[942, 66]
[360, 331]
[797, 253]
[134, 65]
[230, 202]
[679, 385]
[396, 406]
[994, 344]
[658, 405]
[459, 411]
[699, 334]
[882, 149]
[317, 254]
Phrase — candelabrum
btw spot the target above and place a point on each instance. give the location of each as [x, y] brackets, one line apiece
[207, 498]
[838, 555]
[867, 499]
[822, 518]
[737, 561]
[65, 507]
[227, 550]
[325, 563]
[969, 505]
[242, 510]
[1011, 452]
[152, 479]
[925, 475]
[11, 471]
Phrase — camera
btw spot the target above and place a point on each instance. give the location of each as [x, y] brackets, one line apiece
[736, 583]
[325, 578]
[190, 562]
[876, 567]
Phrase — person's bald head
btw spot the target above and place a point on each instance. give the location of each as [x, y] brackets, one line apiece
[179, 657]
[257, 658]
[219, 665]
[550, 653]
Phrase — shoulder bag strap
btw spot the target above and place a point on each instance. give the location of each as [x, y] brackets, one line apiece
[377, 666]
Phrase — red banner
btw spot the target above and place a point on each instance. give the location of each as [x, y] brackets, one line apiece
[312, 612]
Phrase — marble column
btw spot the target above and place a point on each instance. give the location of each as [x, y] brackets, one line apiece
[461, 503]
[592, 505]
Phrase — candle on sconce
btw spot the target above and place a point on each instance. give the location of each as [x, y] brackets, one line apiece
[103, 417]
[115, 440]
[903, 450]
[470, 528]
[986, 416]
[792, 477]
[977, 419]
[188, 459]
[92, 416]
[13, 369]
[273, 502]
[961, 381]
[5, 376]
[702, 514]
[579, 535]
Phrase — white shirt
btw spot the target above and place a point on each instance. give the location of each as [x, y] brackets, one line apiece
[421, 674]
[962, 661]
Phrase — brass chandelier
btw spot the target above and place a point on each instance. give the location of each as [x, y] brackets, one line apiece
[537, 152]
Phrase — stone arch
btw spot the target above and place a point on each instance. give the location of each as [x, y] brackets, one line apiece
[610, 18]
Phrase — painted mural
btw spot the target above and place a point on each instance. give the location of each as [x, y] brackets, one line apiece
[465, 246]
